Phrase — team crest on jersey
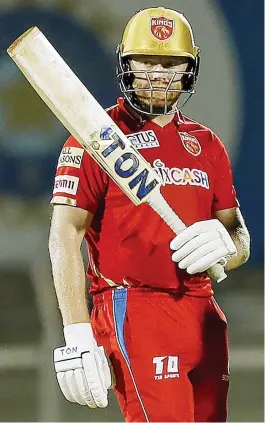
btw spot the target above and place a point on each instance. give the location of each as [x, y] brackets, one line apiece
[144, 139]
[162, 28]
[190, 143]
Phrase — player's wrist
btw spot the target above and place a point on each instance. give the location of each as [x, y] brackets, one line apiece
[79, 333]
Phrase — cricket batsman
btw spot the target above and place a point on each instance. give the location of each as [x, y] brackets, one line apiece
[155, 333]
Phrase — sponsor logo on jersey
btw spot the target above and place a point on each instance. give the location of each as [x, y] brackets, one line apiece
[166, 367]
[144, 139]
[162, 28]
[190, 143]
[71, 156]
[184, 176]
[66, 184]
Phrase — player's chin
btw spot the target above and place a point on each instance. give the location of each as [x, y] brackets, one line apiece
[158, 101]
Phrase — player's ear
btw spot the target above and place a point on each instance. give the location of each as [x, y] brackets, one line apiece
[189, 81]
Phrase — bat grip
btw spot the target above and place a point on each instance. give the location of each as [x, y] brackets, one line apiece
[161, 207]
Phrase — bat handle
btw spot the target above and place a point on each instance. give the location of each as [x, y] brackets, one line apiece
[161, 207]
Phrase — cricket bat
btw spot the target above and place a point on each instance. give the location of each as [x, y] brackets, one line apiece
[93, 128]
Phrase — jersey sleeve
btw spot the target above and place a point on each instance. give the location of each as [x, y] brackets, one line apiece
[79, 181]
[224, 196]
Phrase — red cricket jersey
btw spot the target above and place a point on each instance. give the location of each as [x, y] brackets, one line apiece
[129, 245]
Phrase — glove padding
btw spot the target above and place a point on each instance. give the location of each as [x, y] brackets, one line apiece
[82, 368]
[202, 245]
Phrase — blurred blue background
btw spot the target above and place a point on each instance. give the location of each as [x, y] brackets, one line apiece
[229, 100]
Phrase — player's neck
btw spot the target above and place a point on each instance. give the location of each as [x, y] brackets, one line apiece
[162, 120]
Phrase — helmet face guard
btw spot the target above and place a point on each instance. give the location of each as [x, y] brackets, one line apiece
[157, 32]
[126, 76]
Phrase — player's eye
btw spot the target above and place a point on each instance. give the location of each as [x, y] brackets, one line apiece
[148, 63]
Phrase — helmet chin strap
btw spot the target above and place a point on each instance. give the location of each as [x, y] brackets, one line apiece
[180, 106]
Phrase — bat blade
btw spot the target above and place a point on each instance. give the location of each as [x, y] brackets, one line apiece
[89, 123]
[82, 115]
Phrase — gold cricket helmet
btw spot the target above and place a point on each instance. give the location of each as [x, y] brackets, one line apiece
[157, 31]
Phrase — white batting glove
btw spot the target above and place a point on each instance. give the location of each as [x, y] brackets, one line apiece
[82, 368]
[202, 245]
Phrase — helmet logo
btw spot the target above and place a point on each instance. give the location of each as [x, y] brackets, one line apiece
[162, 28]
[190, 143]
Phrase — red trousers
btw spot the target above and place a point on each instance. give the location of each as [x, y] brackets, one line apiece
[169, 354]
